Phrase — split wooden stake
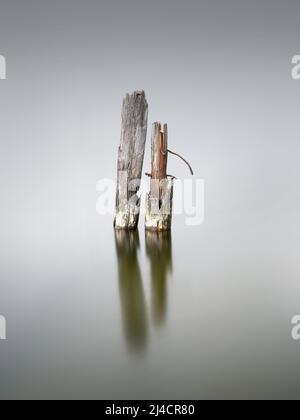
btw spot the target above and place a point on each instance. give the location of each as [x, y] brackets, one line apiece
[159, 200]
[130, 160]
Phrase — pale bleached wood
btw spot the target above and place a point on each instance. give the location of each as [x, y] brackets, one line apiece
[130, 160]
[159, 200]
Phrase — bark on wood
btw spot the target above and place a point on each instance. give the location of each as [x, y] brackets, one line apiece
[130, 160]
[159, 200]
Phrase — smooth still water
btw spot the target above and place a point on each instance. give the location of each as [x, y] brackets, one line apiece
[202, 313]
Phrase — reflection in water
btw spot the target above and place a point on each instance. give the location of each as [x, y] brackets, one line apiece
[159, 252]
[131, 289]
[133, 303]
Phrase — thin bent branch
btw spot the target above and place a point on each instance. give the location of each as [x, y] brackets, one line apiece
[185, 161]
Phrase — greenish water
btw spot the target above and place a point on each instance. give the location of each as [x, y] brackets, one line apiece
[202, 313]
[131, 284]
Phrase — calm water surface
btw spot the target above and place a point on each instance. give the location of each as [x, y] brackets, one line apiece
[202, 313]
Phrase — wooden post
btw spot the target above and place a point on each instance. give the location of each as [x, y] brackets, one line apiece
[159, 200]
[130, 160]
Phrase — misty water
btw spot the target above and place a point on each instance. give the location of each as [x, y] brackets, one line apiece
[199, 313]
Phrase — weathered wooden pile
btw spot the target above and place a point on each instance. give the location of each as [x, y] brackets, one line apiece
[159, 200]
